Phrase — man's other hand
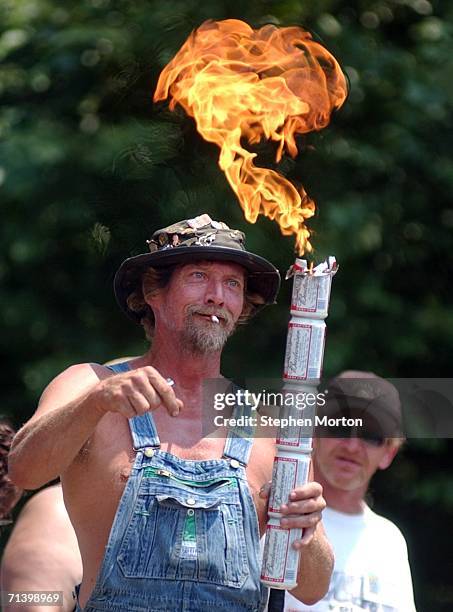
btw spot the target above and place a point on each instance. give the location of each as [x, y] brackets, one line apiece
[135, 392]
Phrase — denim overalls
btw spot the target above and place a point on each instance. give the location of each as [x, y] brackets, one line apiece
[185, 537]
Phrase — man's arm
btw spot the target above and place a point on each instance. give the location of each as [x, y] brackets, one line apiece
[304, 510]
[66, 417]
[315, 568]
[69, 411]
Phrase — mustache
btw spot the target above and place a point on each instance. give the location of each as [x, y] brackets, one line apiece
[348, 457]
[221, 313]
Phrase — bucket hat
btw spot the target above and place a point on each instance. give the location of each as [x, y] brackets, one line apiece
[196, 239]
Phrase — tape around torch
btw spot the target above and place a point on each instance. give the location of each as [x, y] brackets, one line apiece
[290, 471]
[304, 349]
[297, 419]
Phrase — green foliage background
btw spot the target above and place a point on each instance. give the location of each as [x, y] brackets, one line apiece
[89, 167]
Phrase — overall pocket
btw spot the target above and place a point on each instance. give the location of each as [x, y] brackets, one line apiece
[186, 535]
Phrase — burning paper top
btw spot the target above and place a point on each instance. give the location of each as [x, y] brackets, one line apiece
[242, 85]
[300, 266]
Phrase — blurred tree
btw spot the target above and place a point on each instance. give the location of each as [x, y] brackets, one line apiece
[89, 167]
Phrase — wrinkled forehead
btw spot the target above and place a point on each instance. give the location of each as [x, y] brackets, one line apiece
[225, 267]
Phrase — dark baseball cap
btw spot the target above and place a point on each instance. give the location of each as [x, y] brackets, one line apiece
[364, 395]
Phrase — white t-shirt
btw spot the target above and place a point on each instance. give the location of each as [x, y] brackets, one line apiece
[371, 566]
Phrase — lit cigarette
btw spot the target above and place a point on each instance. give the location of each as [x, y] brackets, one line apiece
[214, 319]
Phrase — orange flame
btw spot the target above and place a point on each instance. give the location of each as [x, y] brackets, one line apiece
[245, 84]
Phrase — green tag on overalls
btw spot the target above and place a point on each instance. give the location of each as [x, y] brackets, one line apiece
[189, 536]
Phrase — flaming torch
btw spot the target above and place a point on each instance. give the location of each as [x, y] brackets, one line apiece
[302, 371]
[243, 85]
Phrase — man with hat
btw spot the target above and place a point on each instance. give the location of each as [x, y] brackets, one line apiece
[168, 518]
[371, 564]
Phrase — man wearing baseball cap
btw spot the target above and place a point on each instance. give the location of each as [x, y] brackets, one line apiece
[166, 517]
[371, 565]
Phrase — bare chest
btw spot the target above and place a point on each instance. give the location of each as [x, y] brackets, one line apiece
[94, 485]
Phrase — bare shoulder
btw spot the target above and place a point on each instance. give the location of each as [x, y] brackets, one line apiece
[46, 512]
[262, 456]
[71, 384]
[43, 519]
[42, 552]
[50, 497]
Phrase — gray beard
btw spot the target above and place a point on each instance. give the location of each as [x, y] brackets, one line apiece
[201, 338]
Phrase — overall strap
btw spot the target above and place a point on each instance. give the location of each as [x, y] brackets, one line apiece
[144, 432]
[123, 366]
[238, 443]
[143, 428]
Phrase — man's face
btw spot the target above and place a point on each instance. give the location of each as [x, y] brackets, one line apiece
[349, 463]
[195, 292]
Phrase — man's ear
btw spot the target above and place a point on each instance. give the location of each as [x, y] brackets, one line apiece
[388, 456]
[153, 298]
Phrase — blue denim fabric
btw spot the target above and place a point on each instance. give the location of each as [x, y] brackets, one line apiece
[185, 536]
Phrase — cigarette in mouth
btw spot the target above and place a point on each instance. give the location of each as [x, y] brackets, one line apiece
[214, 319]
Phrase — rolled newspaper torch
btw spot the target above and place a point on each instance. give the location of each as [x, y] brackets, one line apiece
[302, 372]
